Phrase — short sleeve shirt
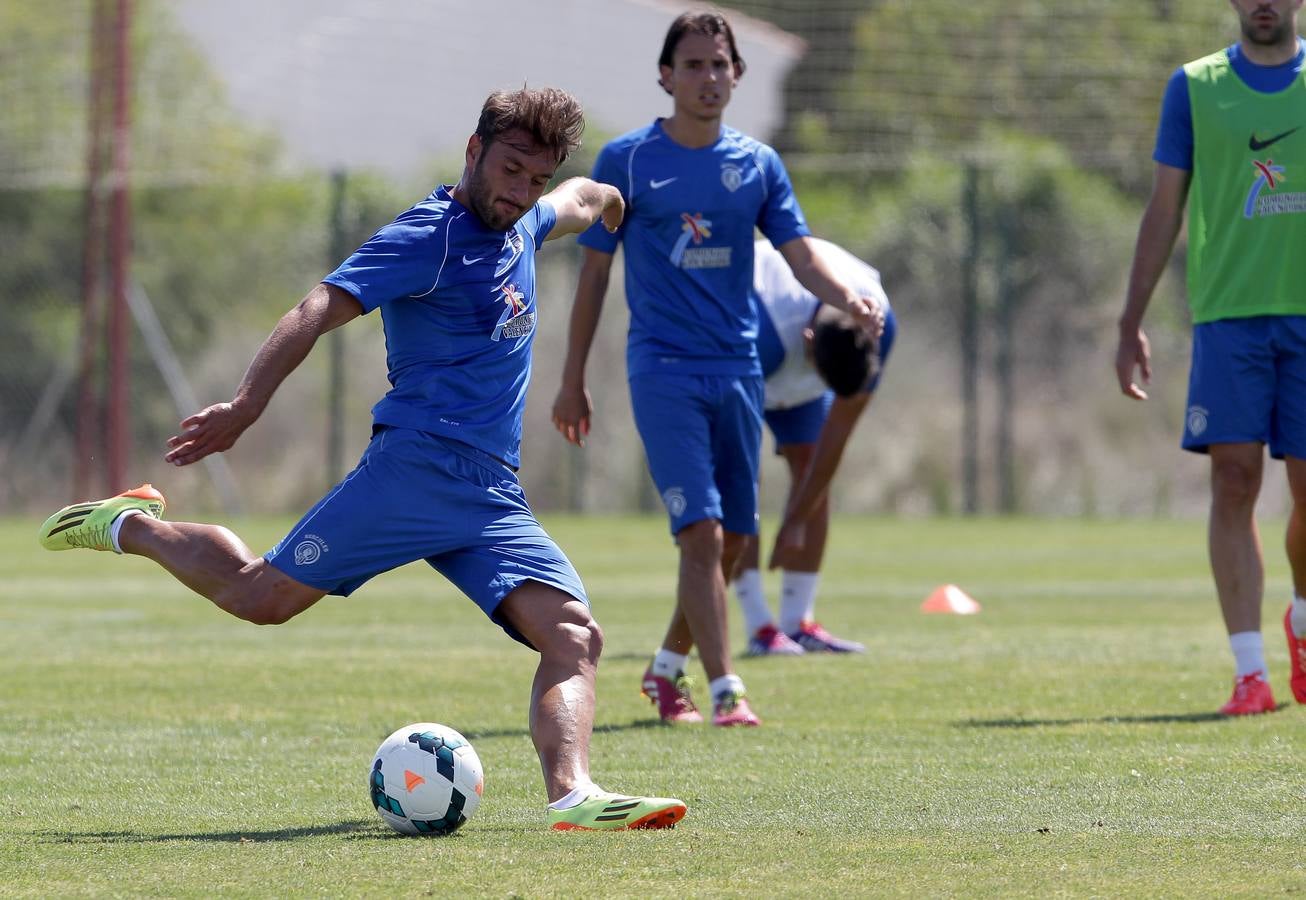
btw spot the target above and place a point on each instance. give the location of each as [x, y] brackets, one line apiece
[687, 238]
[458, 306]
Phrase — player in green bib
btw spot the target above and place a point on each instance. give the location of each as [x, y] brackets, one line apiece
[1232, 147]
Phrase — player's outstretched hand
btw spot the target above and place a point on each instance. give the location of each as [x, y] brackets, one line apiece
[789, 542]
[571, 414]
[1133, 350]
[614, 210]
[869, 314]
[211, 430]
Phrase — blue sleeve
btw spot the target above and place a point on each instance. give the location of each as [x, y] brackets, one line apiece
[781, 218]
[541, 221]
[1174, 134]
[608, 169]
[398, 261]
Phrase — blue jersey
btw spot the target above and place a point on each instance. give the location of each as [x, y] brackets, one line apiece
[457, 302]
[1174, 135]
[688, 241]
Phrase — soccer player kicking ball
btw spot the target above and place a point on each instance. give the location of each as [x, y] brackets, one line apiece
[454, 278]
[695, 190]
[821, 372]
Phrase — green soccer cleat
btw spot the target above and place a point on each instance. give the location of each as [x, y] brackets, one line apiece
[89, 524]
[603, 811]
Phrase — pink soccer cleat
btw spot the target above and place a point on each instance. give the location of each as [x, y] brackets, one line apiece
[1297, 654]
[675, 706]
[771, 641]
[815, 639]
[732, 709]
[1251, 695]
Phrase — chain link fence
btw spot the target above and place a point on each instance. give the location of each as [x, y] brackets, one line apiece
[990, 157]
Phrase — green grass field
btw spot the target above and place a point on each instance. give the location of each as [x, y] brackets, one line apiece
[1061, 743]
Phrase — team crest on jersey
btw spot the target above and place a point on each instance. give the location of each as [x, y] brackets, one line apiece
[309, 550]
[514, 321]
[1265, 199]
[515, 247]
[694, 229]
[731, 176]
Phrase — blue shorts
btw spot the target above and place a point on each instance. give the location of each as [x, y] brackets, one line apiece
[799, 424]
[802, 424]
[413, 496]
[703, 438]
[1248, 384]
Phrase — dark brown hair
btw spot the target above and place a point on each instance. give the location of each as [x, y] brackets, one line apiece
[708, 24]
[552, 118]
[845, 355]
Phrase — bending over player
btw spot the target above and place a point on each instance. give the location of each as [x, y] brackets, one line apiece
[821, 372]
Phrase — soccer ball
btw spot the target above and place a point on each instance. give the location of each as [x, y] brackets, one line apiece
[425, 779]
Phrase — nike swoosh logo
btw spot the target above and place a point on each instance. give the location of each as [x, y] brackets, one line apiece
[1256, 146]
[468, 262]
[655, 184]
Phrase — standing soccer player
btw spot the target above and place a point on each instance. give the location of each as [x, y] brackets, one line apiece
[454, 278]
[695, 190]
[821, 372]
[1232, 140]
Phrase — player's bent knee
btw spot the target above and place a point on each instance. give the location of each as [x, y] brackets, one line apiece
[577, 641]
[267, 597]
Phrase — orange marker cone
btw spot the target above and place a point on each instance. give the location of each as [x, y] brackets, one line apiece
[948, 598]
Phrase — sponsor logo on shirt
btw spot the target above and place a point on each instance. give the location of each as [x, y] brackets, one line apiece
[1257, 146]
[515, 321]
[1265, 199]
[694, 229]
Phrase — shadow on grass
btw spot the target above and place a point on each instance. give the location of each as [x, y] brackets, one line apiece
[1159, 719]
[473, 734]
[375, 829]
[628, 656]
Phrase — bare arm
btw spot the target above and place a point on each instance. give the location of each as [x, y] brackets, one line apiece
[807, 493]
[572, 408]
[216, 428]
[1156, 236]
[812, 273]
[580, 202]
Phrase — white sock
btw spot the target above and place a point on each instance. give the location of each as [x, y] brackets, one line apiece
[726, 684]
[669, 665]
[1298, 617]
[117, 527]
[1248, 653]
[752, 600]
[797, 599]
[575, 796]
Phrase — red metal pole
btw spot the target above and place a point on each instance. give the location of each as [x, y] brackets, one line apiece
[88, 407]
[118, 434]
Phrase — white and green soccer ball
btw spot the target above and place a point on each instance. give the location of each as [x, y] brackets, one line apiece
[426, 779]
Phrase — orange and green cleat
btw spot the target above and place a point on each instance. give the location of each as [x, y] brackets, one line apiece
[602, 811]
[90, 524]
[1251, 695]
